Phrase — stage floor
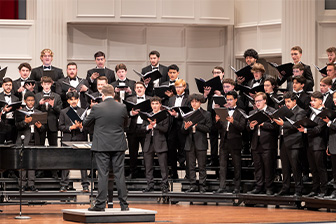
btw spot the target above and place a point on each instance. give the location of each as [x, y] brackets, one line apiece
[180, 213]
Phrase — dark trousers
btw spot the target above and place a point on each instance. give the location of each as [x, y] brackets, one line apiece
[103, 164]
[213, 135]
[8, 132]
[223, 164]
[28, 178]
[51, 135]
[303, 157]
[317, 163]
[263, 167]
[201, 156]
[290, 160]
[65, 178]
[134, 139]
[333, 163]
[163, 162]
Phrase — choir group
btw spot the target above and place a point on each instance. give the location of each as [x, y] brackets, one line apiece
[249, 115]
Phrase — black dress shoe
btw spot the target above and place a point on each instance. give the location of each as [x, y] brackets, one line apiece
[220, 190]
[63, 189]
[236, 191]
[124, 208]
[85, 189]
[191, 189]
[255, 191]
[33, 188]
[321, 195]
[165, 189]
[202, 190]
[96, 209]
[269, 192]
[298, 194]
[305, 178]
[148, 189]
[312, 194]
[283, 192]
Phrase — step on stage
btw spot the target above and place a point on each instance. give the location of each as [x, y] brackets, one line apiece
[111, 215]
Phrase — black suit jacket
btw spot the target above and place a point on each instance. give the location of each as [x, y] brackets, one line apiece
[62, 89]
[164, 72]
[329, 103]
[109, 73]
[268, 133]
[17, 85]
[293, 139]
[128, 82]
[159, 136]
[132, 122]
[13, 99]
[304, 102]
[333, 86]
[234, 135]
[332, 138]
[200, 137]
[24, 129]
[317, 136]
[53, 112]
[65, 123]
[37, 73]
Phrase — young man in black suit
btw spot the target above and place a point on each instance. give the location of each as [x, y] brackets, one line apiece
[325, 88]
[270, 87]
[154, 58]
[296, 54]
[135, 134]
[263, 146]
[176, 139]
[129, 91]
[156, 143]
[331, 72]
[231, 138]
[291, 145]
[196, 144]
[92, 76]
[317, 144]
[72, 131]
[32, 132]
[299, 69]
[37, 73]
[251, 56]
[9, 132]
[69, 84]
[19, 86]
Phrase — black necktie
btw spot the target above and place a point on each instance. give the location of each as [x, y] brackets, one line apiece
[140, 97]
[46, 67]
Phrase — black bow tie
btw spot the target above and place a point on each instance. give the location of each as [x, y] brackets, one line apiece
[75, 108]
[171, 82]
[122, 81]
[140, 97]
[231, 108]
[256, 81]
[23, 80]
[30, 110]
[298, 95]
[73, 79]
[46, 67]
[9, 95]
[179, 96]
[153, 68]
[46, 94]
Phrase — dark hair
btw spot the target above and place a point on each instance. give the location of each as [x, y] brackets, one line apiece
[173, 67]
[103, 78]
[300, 79]
[155, 99]
[317, 94]
[69, 95]
[117, 97]
[7, 79]
[326, 80]
[290, 95]
[232, 93]
[331, 49]
[71, 63]
[120, 66]
[298, 66]
[297, 48]
[219, 68]
[273, 83]
[46, 79]
[28, 94]
[332, 64]
[230, 81]
[154, 53]
[26, 65]
[252, 53]
[197, 97]
[140, 83]
[99, 54]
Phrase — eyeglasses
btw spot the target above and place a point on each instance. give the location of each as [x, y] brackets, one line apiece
[258, 101]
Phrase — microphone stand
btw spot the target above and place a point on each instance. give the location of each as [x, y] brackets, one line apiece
[91, 195]
[20, 185]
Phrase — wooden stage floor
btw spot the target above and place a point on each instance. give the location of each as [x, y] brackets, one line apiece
[180, 213]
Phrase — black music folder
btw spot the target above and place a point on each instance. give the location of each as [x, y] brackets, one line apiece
[323, 70]
[275, 100]
[249, 98]
[223, 113]
[29, 82]
[305, 122]
[282, 112]
[244, 72]
[193, 116]
[14, 105]
[160, 90]
[97, 99]
[215, 84]
[144, 106]
[253, 90]
[220, 100]
[285, 70]
[100, 71]
[326, 112]
[124, 87]
[77, 88]
[3, 72]
[154, 74]
[48, 97]
[159, 116]
[259, 116]
[72, 114]
[42, 117]
[184, 109]
[50, 73]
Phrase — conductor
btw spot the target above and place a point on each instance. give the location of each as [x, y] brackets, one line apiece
[109, 143]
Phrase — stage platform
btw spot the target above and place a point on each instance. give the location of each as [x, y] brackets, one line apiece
[111, 215]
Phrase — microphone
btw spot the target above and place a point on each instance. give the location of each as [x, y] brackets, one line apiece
[22, 138]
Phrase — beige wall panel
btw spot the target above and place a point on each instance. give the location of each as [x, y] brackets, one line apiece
[246, 12]
[217, 9]
[245, 38]
[326, 37]
[169, 41]
[84, 41]
[178, 9]
[270, 39]
[205, 44]
[269, 11]
[96, 8]
[127, 43]
[136, 8]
